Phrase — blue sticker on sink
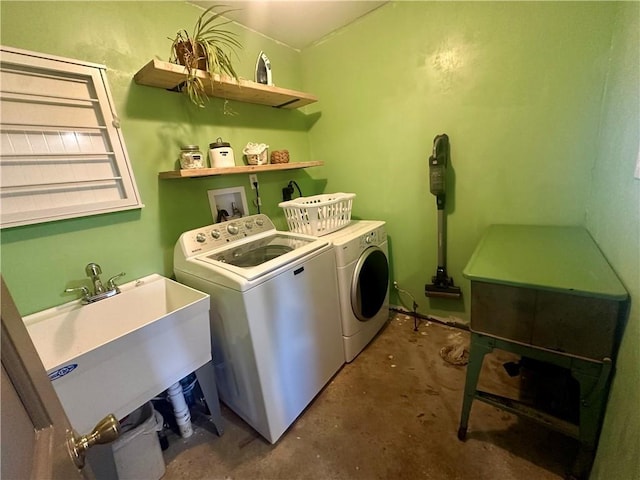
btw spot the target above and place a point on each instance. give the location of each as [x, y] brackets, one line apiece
[62, 371]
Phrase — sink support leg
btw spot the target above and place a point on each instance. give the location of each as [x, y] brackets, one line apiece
[206, 376]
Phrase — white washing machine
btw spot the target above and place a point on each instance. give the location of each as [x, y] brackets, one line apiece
[275, 320]
[362, 262]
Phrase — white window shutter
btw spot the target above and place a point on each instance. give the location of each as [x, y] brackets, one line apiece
[62, 154]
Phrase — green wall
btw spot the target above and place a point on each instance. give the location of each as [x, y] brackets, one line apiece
[124, 36]
[516, 86]
[613, 218]
[539, 100]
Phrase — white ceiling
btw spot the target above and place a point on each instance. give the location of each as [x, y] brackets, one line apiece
[297, 23]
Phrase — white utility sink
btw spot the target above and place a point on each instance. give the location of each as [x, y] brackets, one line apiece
[116, 354]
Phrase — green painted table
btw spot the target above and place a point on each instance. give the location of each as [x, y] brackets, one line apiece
[546, 293]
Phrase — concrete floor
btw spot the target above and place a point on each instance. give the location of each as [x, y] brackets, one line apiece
[392, 413]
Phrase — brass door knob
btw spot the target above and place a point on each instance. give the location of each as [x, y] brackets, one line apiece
[106, 431]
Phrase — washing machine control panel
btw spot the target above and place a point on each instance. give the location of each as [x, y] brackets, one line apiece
[374, 237]
[350, 246]
[218, 235]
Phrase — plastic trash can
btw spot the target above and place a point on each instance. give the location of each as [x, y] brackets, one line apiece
[137, 453]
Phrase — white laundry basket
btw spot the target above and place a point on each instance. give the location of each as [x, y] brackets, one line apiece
[320, 214]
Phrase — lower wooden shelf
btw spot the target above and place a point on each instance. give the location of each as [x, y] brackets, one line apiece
[207, 172]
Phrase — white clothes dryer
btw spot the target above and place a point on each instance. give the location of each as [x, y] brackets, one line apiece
[362, 262]
[275, 321]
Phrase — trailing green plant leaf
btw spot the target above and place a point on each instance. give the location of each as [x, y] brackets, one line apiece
[205, 49]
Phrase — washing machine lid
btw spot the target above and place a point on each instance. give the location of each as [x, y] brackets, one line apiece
[259, 257]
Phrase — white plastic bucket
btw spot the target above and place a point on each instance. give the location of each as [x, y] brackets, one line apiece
[137, 453]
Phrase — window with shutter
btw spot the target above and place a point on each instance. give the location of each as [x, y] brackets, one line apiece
[62, 154]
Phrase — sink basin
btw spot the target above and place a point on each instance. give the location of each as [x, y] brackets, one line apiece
[116, 354]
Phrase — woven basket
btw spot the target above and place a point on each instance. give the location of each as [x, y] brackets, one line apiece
[280, 156]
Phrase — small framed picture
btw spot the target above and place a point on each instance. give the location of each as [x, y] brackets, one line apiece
[227, 204]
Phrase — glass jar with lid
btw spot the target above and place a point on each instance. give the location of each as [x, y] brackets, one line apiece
[191, 157]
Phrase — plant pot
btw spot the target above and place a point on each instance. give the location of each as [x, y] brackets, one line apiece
[189, 56]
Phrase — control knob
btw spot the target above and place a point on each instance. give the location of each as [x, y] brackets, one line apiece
[259, 222]
[249, 225]
[232, 228]
[215, 234]
[201, 238]
[367, 239]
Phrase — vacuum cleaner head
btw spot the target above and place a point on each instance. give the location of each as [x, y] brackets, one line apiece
[431, 290]
[442, 286]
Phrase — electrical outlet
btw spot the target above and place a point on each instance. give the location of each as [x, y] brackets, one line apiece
[253, 178]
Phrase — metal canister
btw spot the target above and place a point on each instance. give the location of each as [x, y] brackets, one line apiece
[221, 154]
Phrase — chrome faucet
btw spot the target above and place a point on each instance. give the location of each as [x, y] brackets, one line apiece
[93, 271]
[100, 292]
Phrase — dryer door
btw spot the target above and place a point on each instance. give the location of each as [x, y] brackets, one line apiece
[369, 283]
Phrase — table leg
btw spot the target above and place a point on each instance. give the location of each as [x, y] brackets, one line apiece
[206, 376]
[593, 392]
[479, 347]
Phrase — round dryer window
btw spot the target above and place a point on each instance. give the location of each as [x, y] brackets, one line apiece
[369, 284]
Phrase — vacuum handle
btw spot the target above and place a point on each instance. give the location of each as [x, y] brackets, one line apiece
[438, 167]
[437, 176]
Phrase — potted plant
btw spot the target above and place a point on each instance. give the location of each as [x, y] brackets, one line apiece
[204, 49]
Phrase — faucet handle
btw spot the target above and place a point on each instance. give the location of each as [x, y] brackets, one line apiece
[84, 290]
[111, 283]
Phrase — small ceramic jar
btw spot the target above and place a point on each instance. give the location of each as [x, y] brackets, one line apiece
[221, 154]
[256, 153]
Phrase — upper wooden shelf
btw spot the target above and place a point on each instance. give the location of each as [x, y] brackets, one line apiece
[167, 75]
[206, 172]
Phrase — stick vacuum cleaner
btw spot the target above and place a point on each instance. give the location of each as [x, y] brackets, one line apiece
[442, 285]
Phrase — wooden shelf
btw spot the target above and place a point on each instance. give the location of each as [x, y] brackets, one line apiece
[169, 76]
[207, 172]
